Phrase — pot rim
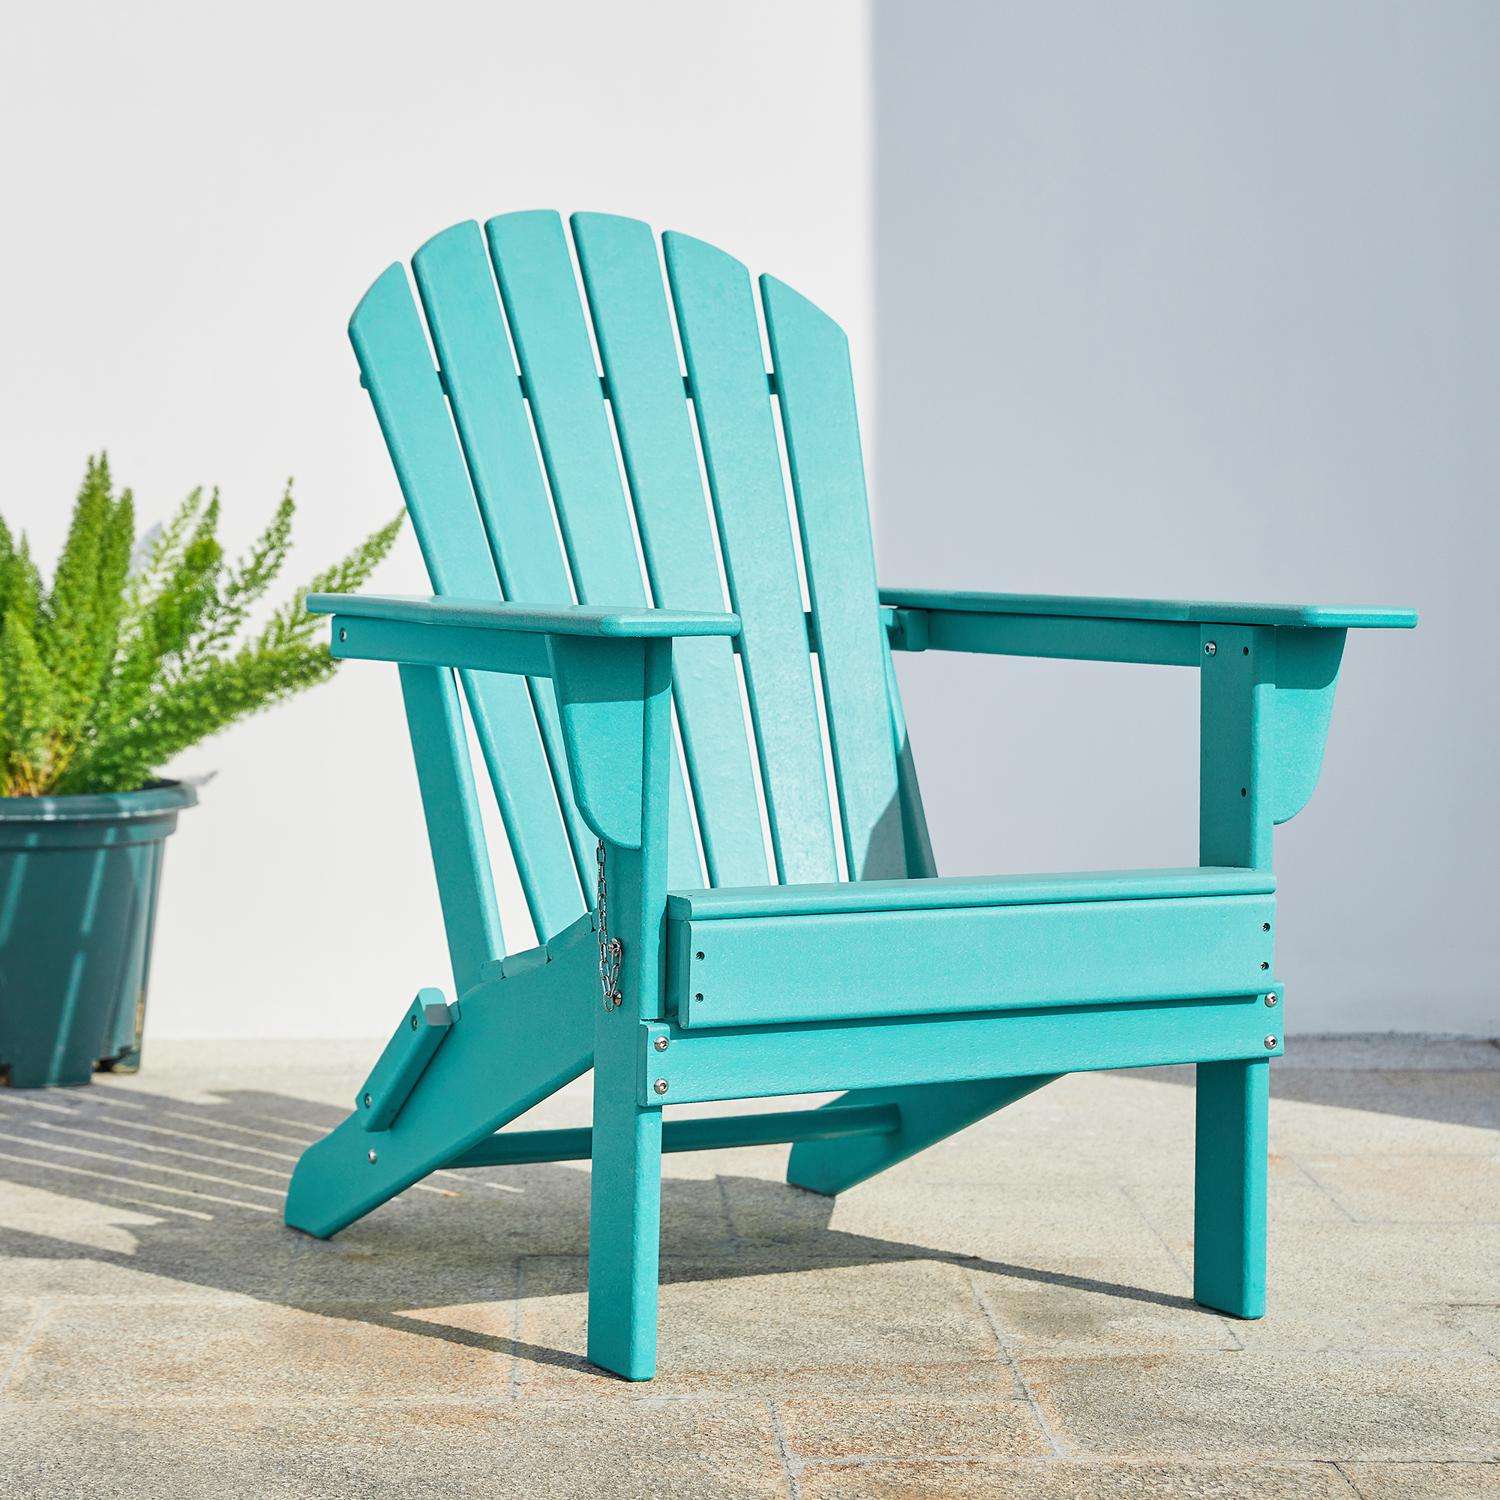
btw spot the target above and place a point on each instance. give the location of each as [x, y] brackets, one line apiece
[149, 801]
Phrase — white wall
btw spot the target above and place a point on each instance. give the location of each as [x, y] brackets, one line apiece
[193, 205]
[1200, 300]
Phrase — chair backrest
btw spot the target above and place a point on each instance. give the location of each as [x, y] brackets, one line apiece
[510, 456]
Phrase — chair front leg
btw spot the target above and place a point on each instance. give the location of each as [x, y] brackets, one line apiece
[1229, 1187]
[625, 1194]
[624, 1219]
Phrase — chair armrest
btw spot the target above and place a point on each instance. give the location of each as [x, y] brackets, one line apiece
[1185, 611]
[633, 622]
[1268, 677]
[610, 668]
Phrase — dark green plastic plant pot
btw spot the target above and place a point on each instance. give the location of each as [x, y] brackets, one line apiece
[79, 878]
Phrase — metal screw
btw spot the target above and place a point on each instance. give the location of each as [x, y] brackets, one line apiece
[660, 1086]
[661, 1044]
[1264, 964]
[1265, 926]
[415, 1022]
[368, 1101]
[373, 1158]
[1270, 1044]
[1210, 649]
[697, 994]
[1271, 1001]
[698, 954]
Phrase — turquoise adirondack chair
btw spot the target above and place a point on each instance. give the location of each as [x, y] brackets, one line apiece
[714, 925]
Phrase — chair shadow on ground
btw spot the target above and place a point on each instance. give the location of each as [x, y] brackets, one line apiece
[196, 1190]
[1464, 1089]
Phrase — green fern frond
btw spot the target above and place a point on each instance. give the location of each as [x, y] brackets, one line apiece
[7, 562]
[28, 710]
[292, 623]
[76, 612]
[114, 568]
[246, 582]
[161, 557]
[218, 694]
[128, 660]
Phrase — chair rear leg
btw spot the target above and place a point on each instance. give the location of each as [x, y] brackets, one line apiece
[1229, 1187]
[624, 1224]
[930, 1112]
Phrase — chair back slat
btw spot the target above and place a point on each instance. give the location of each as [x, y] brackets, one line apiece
[540, 294]
[721, 341]
[510, 455]
[815, 385]
[458, 295]
[622, 278]
[393, 356]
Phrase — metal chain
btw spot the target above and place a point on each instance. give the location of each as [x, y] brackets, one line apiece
[610, 948]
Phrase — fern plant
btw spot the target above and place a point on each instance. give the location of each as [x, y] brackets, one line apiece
[136, 652]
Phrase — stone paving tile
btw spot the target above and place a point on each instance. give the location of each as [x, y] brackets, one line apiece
[883, 1480]
[1292, 1197]
[1100, 1305]
[1042, 1223]
[1323, 1128]
[1393, 1050]
[1460, 1481]
[186, 1351]
[466, 1228]
[401, 1269]
[18, 1316]
[1339, 1285]
[1425, 1110]
[1271, 1405]
[1481, 1319]
[180, 1263]
[129, 1246]
[853, 1328]
[1353, 1109]
[988, 1427]
[165, 1334]
[459, 1451]
[1354, 1286]
[1394, 1188]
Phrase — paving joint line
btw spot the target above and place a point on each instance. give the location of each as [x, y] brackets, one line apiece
[1322, 1187]
[43, 1307]
[1235, 1341]
[791, 1464]
[1023, 1386]
[1339, 1469]
[515, 1329]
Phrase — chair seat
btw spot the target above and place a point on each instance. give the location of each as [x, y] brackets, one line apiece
[966, 890]
[767, 955]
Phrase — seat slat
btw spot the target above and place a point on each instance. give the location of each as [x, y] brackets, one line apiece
[394, 360]
[816, 387]
[721, 341]
[540, 296]
[859, 964]
[622, 279]
[457, 289]
[956, 891]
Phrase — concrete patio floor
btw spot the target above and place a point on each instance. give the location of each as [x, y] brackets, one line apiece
[1007, 1314]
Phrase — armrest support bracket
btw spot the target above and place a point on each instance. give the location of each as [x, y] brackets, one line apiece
[1269, 672]
[608, 667]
